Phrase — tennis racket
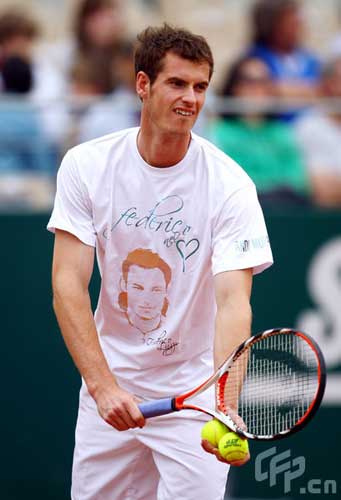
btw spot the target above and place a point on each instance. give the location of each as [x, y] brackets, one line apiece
[274, 381]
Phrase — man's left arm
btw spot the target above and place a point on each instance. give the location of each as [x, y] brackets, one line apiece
[233, 323]
[233, 319]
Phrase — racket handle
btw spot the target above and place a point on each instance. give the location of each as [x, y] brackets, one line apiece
[157, 407]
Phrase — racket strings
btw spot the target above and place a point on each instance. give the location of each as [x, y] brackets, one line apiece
[273, 383]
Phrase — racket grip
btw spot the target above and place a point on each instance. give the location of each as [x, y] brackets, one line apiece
[157, 407]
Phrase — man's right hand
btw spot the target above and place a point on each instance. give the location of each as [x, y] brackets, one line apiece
[118, 408]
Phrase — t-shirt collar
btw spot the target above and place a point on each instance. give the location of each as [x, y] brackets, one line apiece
[162, 170]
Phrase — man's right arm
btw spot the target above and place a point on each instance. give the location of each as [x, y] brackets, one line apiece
[71, 273]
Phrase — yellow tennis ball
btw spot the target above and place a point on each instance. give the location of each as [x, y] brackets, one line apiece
[232, 447]
[213, 431]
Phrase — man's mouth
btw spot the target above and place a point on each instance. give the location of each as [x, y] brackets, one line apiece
[183, 112]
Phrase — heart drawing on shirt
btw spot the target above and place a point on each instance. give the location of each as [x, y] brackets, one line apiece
[186, 250]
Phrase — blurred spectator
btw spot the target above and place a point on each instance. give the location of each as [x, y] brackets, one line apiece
[27, 160]
[121, 108]
[85, 92]
[99, 29]
[264, 147]
[319, 134]
[84, 80]
[84, 63]
[277, 39]
[18, 33]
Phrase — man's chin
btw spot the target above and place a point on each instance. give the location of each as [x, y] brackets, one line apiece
[181, 131]
[181, 127]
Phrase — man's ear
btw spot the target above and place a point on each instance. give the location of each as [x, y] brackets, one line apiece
[142, 85]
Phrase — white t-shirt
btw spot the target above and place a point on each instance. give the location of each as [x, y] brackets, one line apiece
[161, 234]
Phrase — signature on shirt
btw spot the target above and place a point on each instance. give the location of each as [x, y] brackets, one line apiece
[164, 344]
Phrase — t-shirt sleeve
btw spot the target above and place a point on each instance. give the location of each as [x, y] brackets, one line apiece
[240, 238]
[72, 210]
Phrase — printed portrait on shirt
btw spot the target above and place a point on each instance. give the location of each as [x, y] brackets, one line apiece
[144, 286]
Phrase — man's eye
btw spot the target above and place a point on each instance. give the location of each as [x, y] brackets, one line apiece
[201, 88]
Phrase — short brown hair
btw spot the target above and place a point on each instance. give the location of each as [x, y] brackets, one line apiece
[154, 42]
[14, 22]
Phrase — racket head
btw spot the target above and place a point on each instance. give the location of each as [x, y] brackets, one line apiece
[283, 378]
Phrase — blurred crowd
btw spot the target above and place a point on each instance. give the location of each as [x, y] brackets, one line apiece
[277, 112]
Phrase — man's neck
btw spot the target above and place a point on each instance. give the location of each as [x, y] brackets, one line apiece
[162, 149]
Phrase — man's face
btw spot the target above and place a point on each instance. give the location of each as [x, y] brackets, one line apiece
[173, 102]
[146, 292]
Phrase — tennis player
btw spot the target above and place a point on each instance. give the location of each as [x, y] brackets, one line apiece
[161, 189]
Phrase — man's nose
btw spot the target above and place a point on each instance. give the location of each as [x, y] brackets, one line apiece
[189, 96]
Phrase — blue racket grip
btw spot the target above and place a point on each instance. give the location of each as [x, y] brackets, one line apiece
[157, 407]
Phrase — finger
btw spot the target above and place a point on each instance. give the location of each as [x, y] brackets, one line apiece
[207, 446]
[244, 461]
[116, 417]
[117, 422]
[241, 424]
[219, 457]
[239, 463]
[237, 419]
[124, 414]
[136, 415]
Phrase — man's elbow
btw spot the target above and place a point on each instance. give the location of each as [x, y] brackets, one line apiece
[240, 302]
[64, 288]
[245, 310]
[58, 292]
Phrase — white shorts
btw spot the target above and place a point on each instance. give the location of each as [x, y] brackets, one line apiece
[162, 461]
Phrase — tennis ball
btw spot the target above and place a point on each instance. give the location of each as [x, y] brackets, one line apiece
[213, 431]
[232, 447]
